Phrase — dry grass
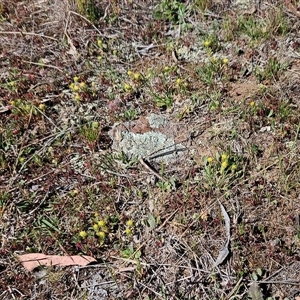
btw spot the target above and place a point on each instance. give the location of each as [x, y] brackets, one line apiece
[227, 79]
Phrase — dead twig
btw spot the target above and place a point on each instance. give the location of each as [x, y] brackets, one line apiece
[28, 33]
[43, 65]
[145, 165]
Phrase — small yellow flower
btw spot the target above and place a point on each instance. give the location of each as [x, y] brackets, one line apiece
[252, 103]
[210, 159]
[42, 106]
[137, 76]
[55, 161]
[207, 43]
[101, 234]
[96, 227]
[82, 85]
[166, 69]
[213, 60]
[178, 81]
[233, 167]
[13, 103]
[127, 87]
[129, 223]
[83, 234]
[77, 97]
[99, 43]
[224, 165]
[75, 79]
[101, 223]
[95, 125]
[225, 60]
[224, 157]
[74, 193]
[128, 231]
[129, 73]
[21, 159]
[99, 58]
[75, 88]
[96, 214]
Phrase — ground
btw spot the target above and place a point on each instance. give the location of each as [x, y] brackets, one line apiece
[88, 87]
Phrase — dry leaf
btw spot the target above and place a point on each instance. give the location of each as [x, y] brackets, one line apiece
[224, 251]
[255, 292]
[34, 260]
[72, 51]
[4, 109]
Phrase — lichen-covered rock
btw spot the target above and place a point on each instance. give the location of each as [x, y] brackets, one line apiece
[153, 137]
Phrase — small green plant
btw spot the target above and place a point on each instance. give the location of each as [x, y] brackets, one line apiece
[214, 99]
[167, 84]
[171, 11]
[277, 23]
[212, 71]
[255, 28]
[220, 170]
[271, 70]
[88, 9]
[166, 186]
[130, 114]
[203, 5]
[130, 253]
[21, 107]
[47, 225]
[4, 197]
[211, 43]
[90, 131]
[229, 27]
[164, 101]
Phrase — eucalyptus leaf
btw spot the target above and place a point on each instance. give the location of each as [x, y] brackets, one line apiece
[223, 253]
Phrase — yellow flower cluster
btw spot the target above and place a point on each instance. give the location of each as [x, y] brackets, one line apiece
[83, 234]
[135, 78]
[100, 229]
[225, 60]
[76, 87]
[129, 227]
[127, 87]
[210, 159]
[207, 43]
[23, 107]
[220, 61]
[225, 163]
